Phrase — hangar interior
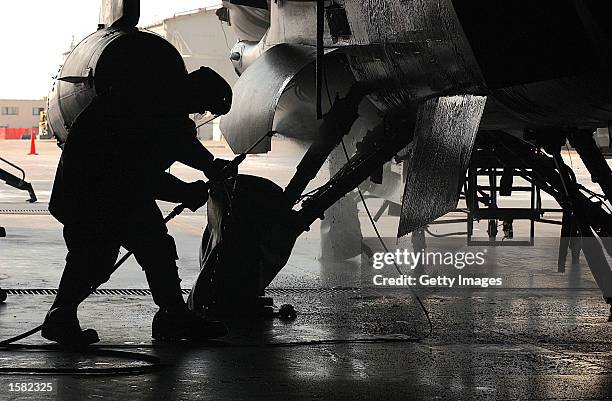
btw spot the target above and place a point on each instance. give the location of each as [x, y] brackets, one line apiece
[361, 133]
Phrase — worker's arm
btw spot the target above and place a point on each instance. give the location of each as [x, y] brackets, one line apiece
[190, 151]
[193, 154]
[171, 189]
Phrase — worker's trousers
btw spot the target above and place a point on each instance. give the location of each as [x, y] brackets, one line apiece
[93, 250]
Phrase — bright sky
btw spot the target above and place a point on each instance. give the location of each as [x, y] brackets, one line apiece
[35, 33]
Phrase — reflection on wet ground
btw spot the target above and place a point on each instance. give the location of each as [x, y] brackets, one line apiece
[502, 344]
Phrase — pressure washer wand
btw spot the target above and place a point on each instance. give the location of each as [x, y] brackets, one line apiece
[227, 171]
[206, 120]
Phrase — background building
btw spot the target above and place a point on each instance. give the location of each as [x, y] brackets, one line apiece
[19, 117]
[202, 40]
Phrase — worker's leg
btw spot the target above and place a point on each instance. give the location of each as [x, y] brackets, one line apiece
[89, 263]
[155, 251]
[147, 237]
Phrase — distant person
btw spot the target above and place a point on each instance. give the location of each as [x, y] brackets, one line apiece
[111, 172]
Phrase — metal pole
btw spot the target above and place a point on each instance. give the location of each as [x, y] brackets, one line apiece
[319, 67]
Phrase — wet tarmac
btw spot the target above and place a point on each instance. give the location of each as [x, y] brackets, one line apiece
[485, 345]
[541, 335]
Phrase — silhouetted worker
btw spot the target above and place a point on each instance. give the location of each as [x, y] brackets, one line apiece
[111, 172]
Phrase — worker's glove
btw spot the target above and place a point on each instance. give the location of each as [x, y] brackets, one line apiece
[196, 196]
[217, 166]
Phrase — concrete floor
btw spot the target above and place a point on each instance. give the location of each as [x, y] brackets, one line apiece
[542, 335]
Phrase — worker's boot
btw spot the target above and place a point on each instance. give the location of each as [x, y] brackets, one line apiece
[61, 323]
[62, 326]
[174, 321]
[185, 325]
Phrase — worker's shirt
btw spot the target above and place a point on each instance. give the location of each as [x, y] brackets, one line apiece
[112, 165]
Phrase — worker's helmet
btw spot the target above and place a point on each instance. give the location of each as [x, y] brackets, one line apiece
[205, 90]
